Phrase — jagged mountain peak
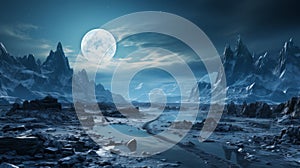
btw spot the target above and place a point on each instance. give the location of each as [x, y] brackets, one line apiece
[60, 50]
[29, 62]
[239, 41]
[289, 59]
[58, 53]
[57, 62]
[59, 47]
[238, 62]
[242, 50]
[228, 53]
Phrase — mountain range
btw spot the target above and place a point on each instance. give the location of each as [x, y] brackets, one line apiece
[266, 77]
[249, 77]
[29, 78]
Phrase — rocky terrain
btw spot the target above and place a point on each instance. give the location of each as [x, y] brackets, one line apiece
[45, 133]
[259, 127]
[40, 133]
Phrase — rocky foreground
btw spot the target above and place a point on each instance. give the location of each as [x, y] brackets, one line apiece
[40, 133]
[43, 133]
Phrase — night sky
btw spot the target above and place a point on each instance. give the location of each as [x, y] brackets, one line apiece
[35, 26]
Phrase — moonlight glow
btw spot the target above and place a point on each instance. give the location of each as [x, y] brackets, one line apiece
[98, 43]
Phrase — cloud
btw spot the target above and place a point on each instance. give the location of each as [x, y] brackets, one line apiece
[44, 46]
[68, 50]
[25, 32]
[20, 31]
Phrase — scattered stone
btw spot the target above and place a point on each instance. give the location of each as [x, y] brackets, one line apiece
[132, 145]
[271, 147]
[250, 157]
[51, 150]
[71, 160]
[28, 120]
[115, 151]
[50, 130]
[67, 151]
[145, 153]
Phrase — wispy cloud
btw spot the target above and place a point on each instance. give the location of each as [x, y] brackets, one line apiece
[68, 50]
[20, 31]
[44, 46]
[37, 46]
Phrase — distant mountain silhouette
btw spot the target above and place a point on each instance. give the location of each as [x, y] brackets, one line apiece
[264, 78]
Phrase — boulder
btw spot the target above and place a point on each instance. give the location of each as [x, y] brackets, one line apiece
[258, 110]
[132, 145]
[292, 107]
[44, 104]
[249, 110]
[291, 135]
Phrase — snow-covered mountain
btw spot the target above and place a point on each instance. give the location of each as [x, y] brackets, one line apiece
[252, 78]
[266, 77]
[28, 78]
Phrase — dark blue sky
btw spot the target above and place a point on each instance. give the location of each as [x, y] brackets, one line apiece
[35, 26]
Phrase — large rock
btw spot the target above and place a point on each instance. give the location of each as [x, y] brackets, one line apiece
[132, 145]
[258, 109]
[291, 135]
[46, 103]
[292, 107]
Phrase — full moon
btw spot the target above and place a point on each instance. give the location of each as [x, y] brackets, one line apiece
[98, 44]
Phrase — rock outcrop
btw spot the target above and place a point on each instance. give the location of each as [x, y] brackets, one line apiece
[47, 103]
[258, 110]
